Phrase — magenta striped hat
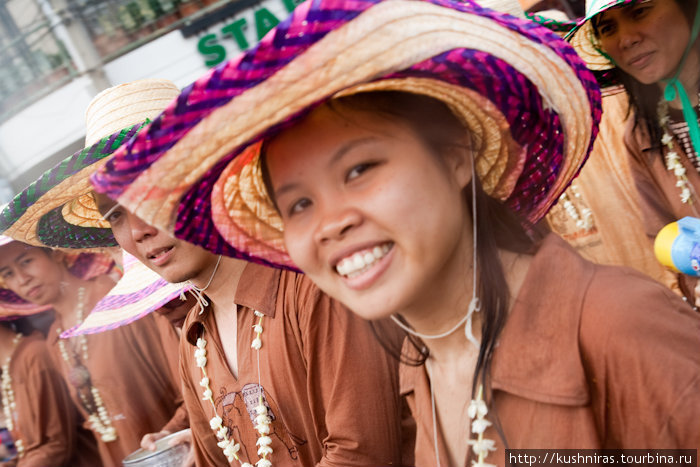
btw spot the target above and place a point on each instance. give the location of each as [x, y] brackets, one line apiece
[523, 91]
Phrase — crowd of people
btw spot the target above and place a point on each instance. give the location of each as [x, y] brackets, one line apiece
[395, 232]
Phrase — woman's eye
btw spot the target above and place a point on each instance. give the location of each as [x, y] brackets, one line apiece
[113, 216]
[298, 206]
[359, 169]
[606, 29]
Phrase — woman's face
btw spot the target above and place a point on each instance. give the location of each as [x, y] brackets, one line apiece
[32, 273]
[370, 214]
[645, 39]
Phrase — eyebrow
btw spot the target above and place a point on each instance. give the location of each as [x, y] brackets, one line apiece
[339, 154]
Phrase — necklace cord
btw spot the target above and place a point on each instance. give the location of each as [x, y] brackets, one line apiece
[199, 292]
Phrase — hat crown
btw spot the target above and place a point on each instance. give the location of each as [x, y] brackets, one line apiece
[593, 7]
[511, 7]
[126, 104]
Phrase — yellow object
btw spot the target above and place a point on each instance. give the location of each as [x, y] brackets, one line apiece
[664, 242]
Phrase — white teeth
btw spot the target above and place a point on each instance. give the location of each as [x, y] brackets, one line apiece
[361, 261]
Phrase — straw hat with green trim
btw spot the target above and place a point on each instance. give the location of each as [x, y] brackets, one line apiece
[58, 210]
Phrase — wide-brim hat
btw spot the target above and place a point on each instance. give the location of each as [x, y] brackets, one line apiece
[59, 210]
[528, 100]
[139, 292]
[583, 39]
[83, 265]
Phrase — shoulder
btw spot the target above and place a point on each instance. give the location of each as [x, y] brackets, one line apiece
[623, 306]
[32, 353]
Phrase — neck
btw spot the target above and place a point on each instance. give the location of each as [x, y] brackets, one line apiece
[68, 302]
[689, 78]
[224, 281]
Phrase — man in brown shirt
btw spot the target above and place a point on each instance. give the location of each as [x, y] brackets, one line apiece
[329, 388]
[45, 421]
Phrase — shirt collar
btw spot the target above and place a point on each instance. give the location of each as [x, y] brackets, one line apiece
[537, 356]
[257, 289]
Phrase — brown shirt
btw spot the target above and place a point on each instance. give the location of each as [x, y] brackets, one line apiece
[46, 421]
[331, 388]
[660, 199]
[590, 357]
[607, 188]
[130, 368]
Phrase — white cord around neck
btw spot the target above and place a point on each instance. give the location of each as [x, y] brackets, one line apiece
[198, 292]
[474, 304]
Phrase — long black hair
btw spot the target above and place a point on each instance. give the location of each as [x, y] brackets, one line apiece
[644, 98]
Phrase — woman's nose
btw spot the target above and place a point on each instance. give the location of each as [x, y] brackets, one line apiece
[337, 222]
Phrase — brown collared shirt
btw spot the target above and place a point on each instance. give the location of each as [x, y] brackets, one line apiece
[46, 421]
[130, 368]
[590, 357]
[330, 388]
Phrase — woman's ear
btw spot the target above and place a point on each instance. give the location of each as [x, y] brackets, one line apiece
[459, 159]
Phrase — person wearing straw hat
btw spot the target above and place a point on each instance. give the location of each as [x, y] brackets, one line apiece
[309, 374]
[651, 48]
[38, 411]
[126, 398]
[398, 153]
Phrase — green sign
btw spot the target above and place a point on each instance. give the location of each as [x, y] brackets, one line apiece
[210, 45]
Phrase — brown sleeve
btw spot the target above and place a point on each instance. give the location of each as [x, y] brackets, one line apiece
[207, 453]
[640, 346]
[47, 418]
[352, 383]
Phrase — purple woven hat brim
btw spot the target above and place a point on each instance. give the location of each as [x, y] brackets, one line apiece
[115, 302]
[533, 125]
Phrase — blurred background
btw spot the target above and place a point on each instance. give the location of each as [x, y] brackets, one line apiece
[56, 55]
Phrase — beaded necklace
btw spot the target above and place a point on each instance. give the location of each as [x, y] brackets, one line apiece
[672, 159]
[79, 377]
[262, 420]
[8, 395]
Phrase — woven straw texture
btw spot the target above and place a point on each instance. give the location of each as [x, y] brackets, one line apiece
[58, 210]
[532, 82]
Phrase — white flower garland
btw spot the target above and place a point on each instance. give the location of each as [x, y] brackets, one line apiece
[481, 446]
[262, 420]
[8, 396]
[99, 418]
[584, 220]
[673, 160]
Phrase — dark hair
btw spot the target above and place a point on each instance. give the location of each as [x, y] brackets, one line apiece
[644, 98]
[498, 227]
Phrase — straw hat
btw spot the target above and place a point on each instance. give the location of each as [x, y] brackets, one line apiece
[139, 292]
[531, 103]
[58, 210]
[84, 265]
